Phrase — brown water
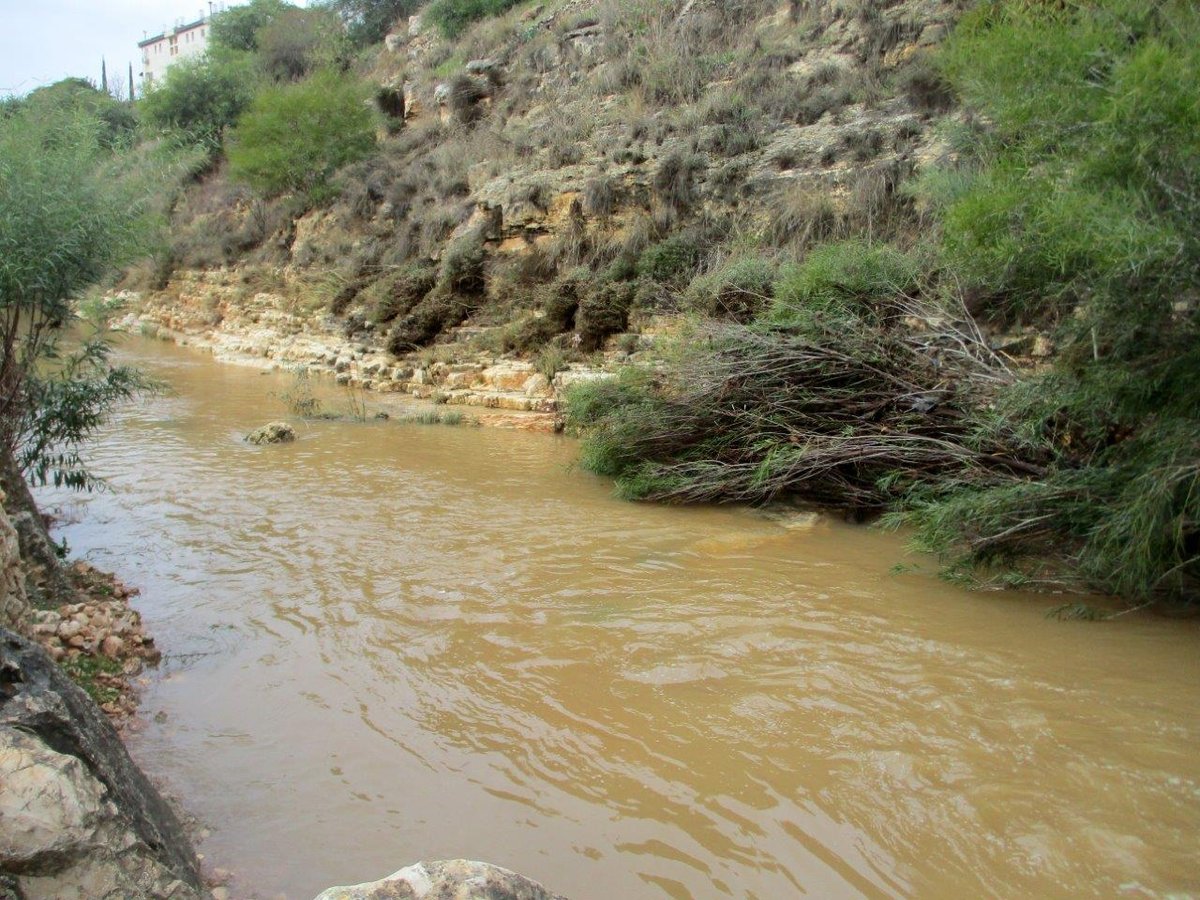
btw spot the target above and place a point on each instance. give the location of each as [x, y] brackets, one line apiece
[390, 642]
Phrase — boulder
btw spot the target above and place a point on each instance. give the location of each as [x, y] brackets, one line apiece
[272, 433]
[455, 879]
[77, 817]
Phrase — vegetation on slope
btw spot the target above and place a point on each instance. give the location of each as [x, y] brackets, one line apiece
[1073, 207]
[850, 210]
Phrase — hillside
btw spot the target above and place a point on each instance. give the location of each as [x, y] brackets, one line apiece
[557, 175]
[914, 258]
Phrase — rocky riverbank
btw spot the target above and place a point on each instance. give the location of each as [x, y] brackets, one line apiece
[217, 312]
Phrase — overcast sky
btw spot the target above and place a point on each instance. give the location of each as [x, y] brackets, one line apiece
[42, 41]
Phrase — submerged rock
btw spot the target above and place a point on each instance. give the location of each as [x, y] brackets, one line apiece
[77, 817]
[454, 879]
[272, 433]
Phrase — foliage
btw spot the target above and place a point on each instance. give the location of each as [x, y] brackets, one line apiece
[739, 289]
[202, 97]
[453, 16]
[299, 41]
[671, 259]
[69, 397]
[294, 137]
[837, 279]
[844, 417]
[70, 210]
[118, 120]
[89, 671]
[300, 399]
[1081, 210]
[238, 27]
[436, 417]
[368, 21]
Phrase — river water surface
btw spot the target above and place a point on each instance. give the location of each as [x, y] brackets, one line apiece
[389, 642]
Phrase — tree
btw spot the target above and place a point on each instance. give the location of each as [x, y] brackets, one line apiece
[297, 41]
[237, 28]
[202, 97]
[69, 212]
[294, 137]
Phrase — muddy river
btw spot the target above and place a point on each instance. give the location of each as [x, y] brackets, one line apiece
[388, 642]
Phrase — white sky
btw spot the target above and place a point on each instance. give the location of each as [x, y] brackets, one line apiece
[42, 41]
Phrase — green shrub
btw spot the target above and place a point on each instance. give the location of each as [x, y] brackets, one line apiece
[603, 311]
[671, 260]
[202, 97]
[551, 360]
[462, 270]
[298, 41]
[675, 179]
[453, 16]
[559, 302]
[439, 310]
[294, 137]
[739, 289]
[841, 279]
[237, 28]
[117, 120]
[399, 292]
[1079, 210]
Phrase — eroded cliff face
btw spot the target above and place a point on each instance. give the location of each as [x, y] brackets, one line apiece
[551, 181]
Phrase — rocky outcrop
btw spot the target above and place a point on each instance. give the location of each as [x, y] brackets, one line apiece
[272, 433]
[14, 606]
[455, 879]
[46, 581]
[77, 818]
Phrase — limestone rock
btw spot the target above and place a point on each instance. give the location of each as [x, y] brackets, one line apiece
[485, 67]
[456, 879]
[272, 433]
[77, 818]
[51, 807]
[14, 606]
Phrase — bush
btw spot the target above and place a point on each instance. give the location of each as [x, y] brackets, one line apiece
[70, 211]
[453, 16]
[117, 120]
[739, 289]
[400, 292]
[202, 97]
[841, 279]
[461, 270]
[298, 41]
[670, 260]
[294, 137]
[560, 306]
[237, 28]
[1080, 211]
[438, 311]
[675, 179]
[603, 311]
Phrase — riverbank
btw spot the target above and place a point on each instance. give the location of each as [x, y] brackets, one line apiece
[449, 642]
[216, 311]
